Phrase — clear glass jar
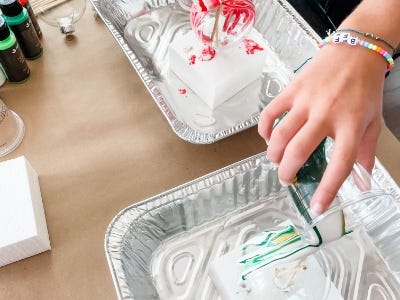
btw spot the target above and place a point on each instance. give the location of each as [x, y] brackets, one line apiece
[61, 14]
[12, 130]
[222, 22]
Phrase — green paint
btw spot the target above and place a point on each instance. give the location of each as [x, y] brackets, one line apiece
[269, 243]
[8, 42]
[253, 267]
[16, 20]
[270, 246]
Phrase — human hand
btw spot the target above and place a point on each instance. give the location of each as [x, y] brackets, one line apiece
[337, 94]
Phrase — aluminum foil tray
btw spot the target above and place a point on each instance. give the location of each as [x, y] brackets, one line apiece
[144, 29]
[161, 247]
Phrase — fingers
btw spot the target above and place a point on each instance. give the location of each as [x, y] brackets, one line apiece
[297, 151]
[282, 135]
[366, 157]
[271, 112]
[367, 150]
[339, 167]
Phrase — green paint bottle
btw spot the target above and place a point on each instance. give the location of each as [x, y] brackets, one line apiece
[302, 190]
[18, 20]
[11, 58]
[307, 180]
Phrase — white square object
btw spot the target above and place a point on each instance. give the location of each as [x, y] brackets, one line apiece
[230, 70]
[225, 273]
[23, 229]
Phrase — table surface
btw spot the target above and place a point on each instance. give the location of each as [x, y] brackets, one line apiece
[99, 143]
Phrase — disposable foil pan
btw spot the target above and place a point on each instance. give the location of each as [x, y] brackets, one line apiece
[145, 28]
[161, 247]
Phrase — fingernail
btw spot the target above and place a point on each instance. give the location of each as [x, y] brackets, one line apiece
[316, 209]
[272, 163]
[283, 183]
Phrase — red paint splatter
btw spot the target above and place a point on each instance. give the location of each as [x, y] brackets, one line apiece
[182, 91]
[251, 46]
[224, 42]
[192, 59]
[207, 54]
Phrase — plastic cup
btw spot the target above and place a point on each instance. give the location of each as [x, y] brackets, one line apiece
[365, 205]
[12, 130]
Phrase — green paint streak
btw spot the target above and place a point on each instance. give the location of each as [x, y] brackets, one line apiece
[254, 267]
[271, 237]
[269, 245]
[307, 179]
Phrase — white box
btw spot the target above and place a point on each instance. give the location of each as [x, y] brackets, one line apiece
[216, 80]
[23, 229]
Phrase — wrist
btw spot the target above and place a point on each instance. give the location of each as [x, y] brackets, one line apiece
[346, 39]
[358, 58]
[369, 37]
[369, 17]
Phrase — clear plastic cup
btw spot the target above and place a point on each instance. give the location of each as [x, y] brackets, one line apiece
[361, 203]
[12, 130]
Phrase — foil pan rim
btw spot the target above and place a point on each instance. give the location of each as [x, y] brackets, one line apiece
[179, 127]
[119, 222]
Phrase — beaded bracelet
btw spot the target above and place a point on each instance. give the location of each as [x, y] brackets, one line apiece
[344, 37]
[369, 35]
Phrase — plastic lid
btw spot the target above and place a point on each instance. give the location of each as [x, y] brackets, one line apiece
[4, 31]
[10, 8]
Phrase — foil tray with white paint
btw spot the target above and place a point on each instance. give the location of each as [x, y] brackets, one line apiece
[145, 28]
[162, 247]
